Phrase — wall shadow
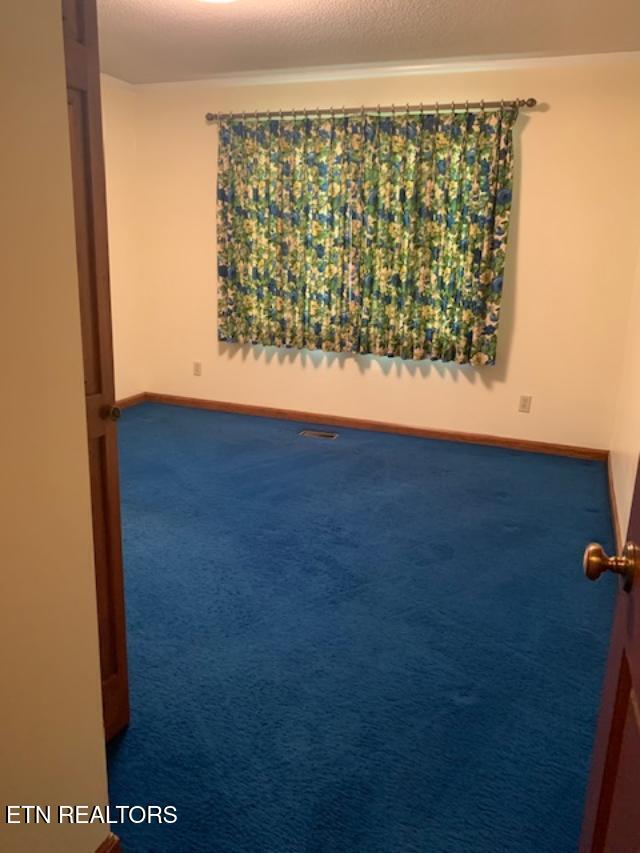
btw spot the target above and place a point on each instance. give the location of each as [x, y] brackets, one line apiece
[318, 359]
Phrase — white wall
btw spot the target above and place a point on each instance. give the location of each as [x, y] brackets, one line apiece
[127, 296]
[625, 440]
[51, 734]
[569, 272]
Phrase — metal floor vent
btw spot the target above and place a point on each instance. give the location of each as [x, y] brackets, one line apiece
[317, 433]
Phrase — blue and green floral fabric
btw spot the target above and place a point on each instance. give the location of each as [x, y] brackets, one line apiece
[369, 234]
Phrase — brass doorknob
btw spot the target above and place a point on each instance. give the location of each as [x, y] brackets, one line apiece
[111, 413]
[595, 562]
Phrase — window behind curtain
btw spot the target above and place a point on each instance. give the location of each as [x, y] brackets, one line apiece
[366, 234]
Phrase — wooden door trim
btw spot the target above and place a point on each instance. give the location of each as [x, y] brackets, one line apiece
[110, 845]
[362, 423]
[80, 30]
[605, 764]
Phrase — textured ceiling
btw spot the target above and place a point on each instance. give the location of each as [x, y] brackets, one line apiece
[145, 41]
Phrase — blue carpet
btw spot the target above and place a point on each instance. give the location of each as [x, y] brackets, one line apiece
[379, 644]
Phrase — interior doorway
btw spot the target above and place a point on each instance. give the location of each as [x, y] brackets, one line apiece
[80, 30]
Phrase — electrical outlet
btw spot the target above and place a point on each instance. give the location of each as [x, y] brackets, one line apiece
[197, 368]
[525, 404]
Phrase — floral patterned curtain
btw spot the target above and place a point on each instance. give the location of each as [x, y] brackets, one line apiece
[369, 234]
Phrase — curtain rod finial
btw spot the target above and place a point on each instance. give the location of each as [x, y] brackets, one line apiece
[210, 117]
[530, 102]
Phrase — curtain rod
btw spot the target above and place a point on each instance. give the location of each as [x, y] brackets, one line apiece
[393, 108]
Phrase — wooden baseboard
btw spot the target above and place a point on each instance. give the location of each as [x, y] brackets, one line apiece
[615, 518]
[110, 845]
[133, 400]
[376, 426]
